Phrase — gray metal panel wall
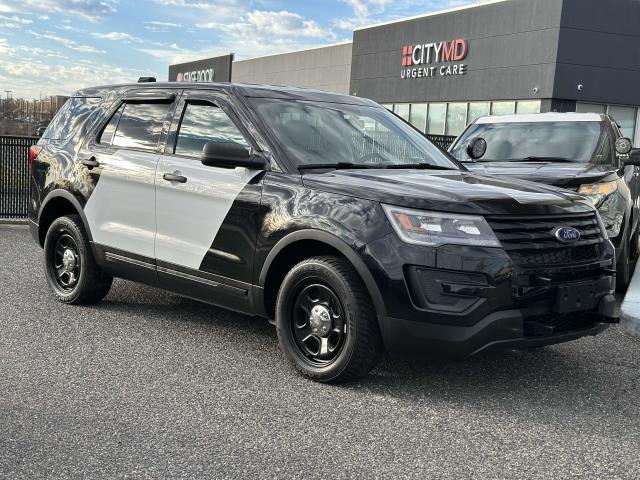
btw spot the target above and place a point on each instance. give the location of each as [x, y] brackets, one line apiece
[325, 68]
[600, 49]
[512, 49]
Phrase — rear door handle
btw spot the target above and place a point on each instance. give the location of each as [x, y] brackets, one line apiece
[91, 163]
[172, 177]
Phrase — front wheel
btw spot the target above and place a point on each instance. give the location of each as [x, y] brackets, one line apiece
[70, 268]
[326, 325]
[627, 262]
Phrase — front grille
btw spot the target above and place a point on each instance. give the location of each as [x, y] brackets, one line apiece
[556, 324]
[559, 256]
[530, 241]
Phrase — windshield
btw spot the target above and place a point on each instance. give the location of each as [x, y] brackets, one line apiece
[570, 141]
[318, 133]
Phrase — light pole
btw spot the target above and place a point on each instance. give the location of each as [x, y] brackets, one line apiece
[7, 107]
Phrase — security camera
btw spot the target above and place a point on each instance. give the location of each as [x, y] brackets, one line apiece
[580, 87]
[535, 89]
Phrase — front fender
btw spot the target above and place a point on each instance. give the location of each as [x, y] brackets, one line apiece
[336, 243]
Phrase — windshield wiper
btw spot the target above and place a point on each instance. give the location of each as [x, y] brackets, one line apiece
[532, 159]
[425, 166]
[336, 166]
[361, 166]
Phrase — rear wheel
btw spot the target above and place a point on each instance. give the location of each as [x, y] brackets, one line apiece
[326, 325]
[70, 268]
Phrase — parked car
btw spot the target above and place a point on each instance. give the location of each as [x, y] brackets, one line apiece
[40, 129]
[322, 212]
[585, 153]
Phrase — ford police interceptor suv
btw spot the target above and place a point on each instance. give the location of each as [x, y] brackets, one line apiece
[322, 212]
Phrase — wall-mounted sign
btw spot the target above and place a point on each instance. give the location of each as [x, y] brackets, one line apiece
[216, 69]
[430, 60]
[205, 75]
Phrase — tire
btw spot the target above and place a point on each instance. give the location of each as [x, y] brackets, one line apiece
[626, 264]
[327, 294]
[81, 282]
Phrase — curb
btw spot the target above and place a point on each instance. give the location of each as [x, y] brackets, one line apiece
[630, 309]
[4, 222]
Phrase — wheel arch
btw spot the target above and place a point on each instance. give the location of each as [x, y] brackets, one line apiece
[302, 244]
[57, 204]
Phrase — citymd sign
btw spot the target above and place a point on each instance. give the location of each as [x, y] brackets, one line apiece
[205, 75]
[216, 69]
[434, 59]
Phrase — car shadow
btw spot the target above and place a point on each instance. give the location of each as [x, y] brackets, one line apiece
[552, 379]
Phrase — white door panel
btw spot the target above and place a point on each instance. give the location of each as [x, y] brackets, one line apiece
[120, 210]
[189, 215]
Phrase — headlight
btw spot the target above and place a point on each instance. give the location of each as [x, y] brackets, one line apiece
[433, 228]
[597, 192]
[612, 212]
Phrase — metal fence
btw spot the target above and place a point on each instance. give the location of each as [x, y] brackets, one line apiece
[14, 176]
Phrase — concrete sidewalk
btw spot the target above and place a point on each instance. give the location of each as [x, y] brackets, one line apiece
[630, 309]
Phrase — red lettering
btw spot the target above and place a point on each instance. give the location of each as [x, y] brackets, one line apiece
[449, 50]
[460, 50]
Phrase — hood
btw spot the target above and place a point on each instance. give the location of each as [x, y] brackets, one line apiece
[559, 174]
[450, 191]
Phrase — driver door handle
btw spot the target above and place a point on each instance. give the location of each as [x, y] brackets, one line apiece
[172, 177]
[91, 163]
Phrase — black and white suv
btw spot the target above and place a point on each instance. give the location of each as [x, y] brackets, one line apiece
[322, 211]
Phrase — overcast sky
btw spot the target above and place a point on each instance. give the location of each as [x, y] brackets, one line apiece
[57, 46]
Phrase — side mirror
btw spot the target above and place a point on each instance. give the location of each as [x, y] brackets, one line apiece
[231, 155]
[634, 157]
[476, 148]
[623, 146]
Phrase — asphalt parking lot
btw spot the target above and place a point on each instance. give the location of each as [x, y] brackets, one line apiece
[150, 385]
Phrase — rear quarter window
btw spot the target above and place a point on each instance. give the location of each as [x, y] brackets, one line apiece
[72, 115]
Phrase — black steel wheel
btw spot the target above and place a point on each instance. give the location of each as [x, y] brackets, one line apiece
[70, 268]
[318, 325]
[66, 262]
[327, 327]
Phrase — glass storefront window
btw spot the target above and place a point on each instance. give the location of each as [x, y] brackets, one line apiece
[528, 106]
[418, 116]
[590, 108]
[625, 117]
[437, 117]
[402, 110]
[456, 118]
[503, 108]
[477, 110]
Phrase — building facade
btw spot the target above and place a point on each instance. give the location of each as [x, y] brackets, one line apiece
[325, 68]
[440, 71]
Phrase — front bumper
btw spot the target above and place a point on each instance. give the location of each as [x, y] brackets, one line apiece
[508, 329]
[458, 301]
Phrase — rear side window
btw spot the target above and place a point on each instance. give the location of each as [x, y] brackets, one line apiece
[73, 113]
[136, 125]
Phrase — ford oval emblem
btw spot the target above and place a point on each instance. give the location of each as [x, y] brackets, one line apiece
[567, 234]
